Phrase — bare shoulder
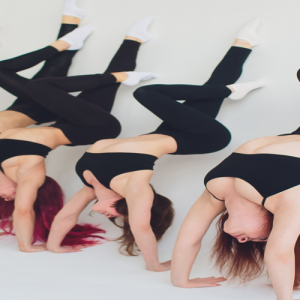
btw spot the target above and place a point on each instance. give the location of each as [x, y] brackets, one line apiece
[138, 180]
[207, 199]
[100, 145]
[286, 200]
[32, 167]
[132, 182]
[252, 145]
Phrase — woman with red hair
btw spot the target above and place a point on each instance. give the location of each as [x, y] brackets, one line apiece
[80, 120]
[256, 191]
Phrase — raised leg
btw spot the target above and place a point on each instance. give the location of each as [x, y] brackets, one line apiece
[124, 60]
[227, 72]
[52, 93]
[57, 66]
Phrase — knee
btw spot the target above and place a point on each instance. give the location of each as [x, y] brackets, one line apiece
[144, 92]
[114, 129]
[23, 212]
[223, 139]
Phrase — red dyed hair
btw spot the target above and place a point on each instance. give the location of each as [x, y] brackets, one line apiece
[244, 260]
[49, 201]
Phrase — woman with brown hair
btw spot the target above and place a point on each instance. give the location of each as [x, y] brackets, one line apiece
[118, 172]
[256, 192]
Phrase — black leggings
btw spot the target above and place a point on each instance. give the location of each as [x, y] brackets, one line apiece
[192, 124]
[86, 118]
[57, 65]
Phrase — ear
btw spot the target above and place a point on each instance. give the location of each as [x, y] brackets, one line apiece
[9, 200]
[243, 240]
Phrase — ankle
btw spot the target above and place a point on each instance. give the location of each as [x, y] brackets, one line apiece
[132, 38]
[231, 88]
[120, 76]
[60, 45]
[242, 43]
[70, 20]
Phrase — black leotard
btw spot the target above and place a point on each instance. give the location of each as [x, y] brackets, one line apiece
[106, 166]
[56, 64]
[269, 174]
[193, 124]
[10, 148]
[84, 119]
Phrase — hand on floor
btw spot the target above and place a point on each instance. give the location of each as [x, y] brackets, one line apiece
[166, 266]
[35, 248]
[204, 282]
[67, 249]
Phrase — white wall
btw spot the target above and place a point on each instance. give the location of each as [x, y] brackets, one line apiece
[190, 38]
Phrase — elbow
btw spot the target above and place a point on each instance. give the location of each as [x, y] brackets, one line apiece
[177, 282]
[138, 228]
[23, 213]
[282, 257]
[62, 217]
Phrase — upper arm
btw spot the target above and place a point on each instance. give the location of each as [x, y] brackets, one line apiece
[29, 182]
[199, 218]
[139, 201]
[285, 231]
[77, 203]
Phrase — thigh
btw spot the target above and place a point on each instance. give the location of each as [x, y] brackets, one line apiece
[33, 110]
[13, 83]
[103, 96]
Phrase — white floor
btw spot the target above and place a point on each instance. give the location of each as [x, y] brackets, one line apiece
[102, 273]
[190, 38]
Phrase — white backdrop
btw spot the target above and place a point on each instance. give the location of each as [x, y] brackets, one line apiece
[189, 39]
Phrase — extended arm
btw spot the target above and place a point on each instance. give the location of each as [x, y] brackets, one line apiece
[67, 218]
[23, 215]
[140, 201]
[188, 243]
[279, 254]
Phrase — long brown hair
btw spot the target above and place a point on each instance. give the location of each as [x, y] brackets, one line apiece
[244, 260]
[162, 215]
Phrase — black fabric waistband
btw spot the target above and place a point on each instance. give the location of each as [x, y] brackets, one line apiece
[10, 148]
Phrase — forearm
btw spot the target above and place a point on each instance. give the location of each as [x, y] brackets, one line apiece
[281, 269]
[23, 224]
[184, 255]
[147, 244]
[59, 229]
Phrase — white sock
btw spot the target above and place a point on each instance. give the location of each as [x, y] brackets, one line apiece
[70, 9]
[242, 89]
[135, 77]
[248, 32]
[77, 37]
[139, 29]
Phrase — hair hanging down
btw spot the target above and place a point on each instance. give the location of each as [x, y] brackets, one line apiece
[162, 215]
[48, 203]
[244, 260]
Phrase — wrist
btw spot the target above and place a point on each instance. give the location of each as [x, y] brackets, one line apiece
[153, 267]
[179, 282]
[25, 248]
[52, 248]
